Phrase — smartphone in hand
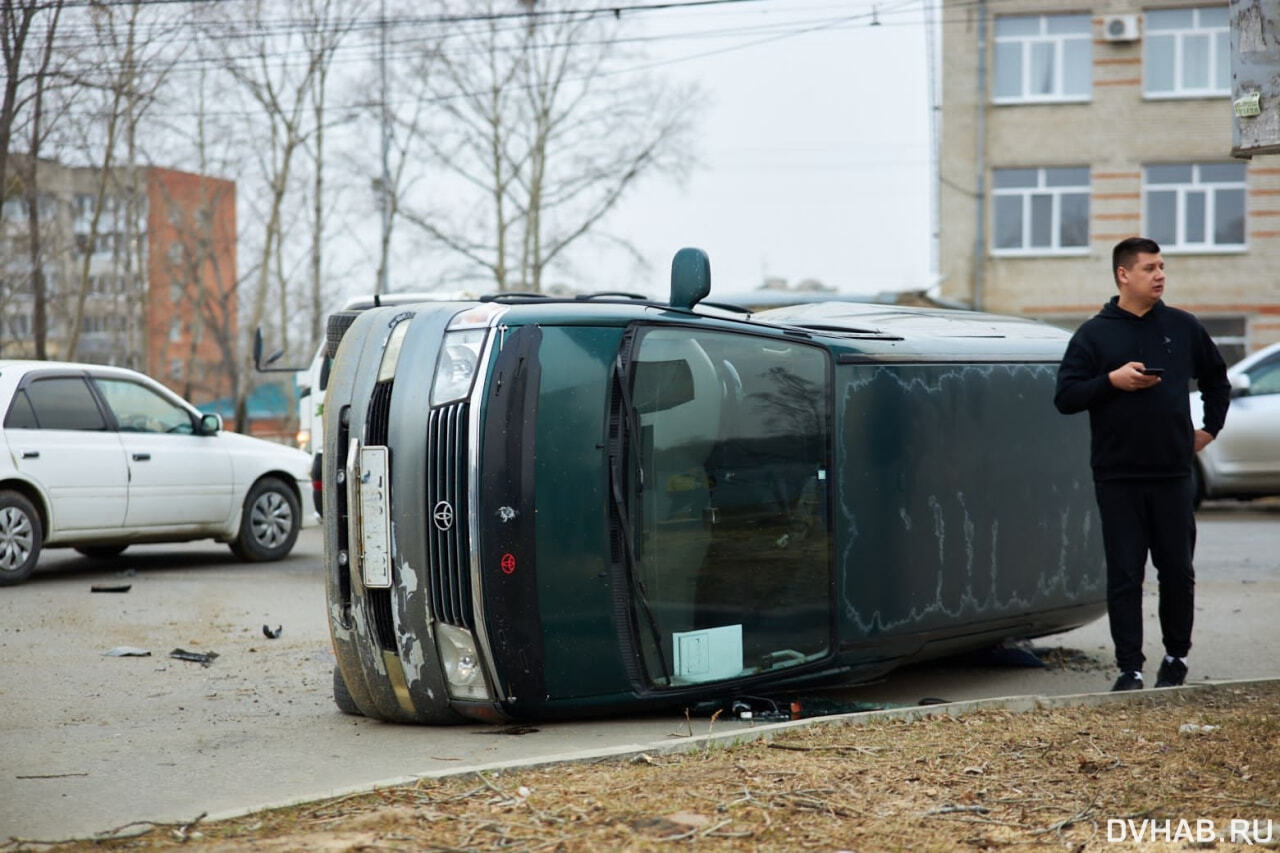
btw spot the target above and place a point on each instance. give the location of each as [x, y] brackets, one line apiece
[1151, 371]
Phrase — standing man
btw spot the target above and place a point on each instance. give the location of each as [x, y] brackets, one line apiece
[1130, 367]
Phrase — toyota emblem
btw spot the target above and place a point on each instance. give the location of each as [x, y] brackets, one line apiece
[443, 515]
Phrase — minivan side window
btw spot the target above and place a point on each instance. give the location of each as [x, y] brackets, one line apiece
[139, 409]
[58, 402]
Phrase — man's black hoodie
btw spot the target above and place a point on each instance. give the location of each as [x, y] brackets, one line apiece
[1148, 433]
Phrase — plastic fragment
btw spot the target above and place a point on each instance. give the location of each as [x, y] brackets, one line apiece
[111, 587]
[272, 633]
[126, 652]
[202, 658]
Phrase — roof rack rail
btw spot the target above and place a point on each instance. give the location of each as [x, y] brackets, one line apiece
[610, 294]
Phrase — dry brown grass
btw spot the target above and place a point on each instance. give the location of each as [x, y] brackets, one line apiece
[993, 779]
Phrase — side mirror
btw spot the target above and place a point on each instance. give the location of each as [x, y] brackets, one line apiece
[257, 352]
[1241, 385]
[690, 278]
[210, 424]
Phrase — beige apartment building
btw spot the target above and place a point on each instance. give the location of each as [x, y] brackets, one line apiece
[1066, 128]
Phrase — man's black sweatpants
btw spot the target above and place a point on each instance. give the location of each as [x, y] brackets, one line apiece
[1156, 516]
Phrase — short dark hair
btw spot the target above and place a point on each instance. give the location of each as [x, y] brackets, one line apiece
[1127, 251]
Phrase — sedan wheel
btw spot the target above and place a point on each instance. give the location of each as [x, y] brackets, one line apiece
[20, 538]
[270, 522]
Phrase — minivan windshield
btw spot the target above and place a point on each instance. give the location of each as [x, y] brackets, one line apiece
[729, 510]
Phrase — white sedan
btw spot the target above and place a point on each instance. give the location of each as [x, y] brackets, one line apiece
[99, 458]
[1244, 460]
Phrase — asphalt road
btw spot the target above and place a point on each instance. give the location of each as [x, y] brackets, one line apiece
[90, 743]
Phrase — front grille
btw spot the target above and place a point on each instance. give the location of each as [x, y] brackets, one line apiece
[339, 490]
[448, 539]
[379, 414]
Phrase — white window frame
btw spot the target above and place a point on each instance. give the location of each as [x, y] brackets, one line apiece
[1055, 227]
[1180, 245]
[1180, 36]
[1058, 41]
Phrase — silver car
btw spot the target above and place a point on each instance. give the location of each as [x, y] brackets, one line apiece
[1244, 461]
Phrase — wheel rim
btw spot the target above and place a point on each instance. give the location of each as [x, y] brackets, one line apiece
[17, 538]
[271, 520]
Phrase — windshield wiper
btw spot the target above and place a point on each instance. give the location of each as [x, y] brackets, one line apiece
[618, 453]
[628, 426]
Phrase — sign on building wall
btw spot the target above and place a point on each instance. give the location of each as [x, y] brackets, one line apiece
[1255, 77]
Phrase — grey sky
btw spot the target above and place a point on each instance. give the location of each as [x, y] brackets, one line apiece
[815, 145]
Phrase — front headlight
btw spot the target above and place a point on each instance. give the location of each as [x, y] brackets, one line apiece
[456, 365]
[461, 662]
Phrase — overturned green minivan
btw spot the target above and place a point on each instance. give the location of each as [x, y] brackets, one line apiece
[539, 508]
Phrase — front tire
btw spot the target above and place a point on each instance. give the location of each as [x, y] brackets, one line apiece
[269, 523]
[21, 537]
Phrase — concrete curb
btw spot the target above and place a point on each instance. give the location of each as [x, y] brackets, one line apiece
[765, 731]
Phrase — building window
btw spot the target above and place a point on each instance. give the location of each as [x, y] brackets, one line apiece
[1043, 58]
[83, 212]
[175, 330]
[1229, 334]
[1194, 206]
[1041, 211]
[1186, 54]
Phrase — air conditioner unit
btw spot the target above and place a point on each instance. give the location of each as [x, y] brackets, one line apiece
[1120, 28]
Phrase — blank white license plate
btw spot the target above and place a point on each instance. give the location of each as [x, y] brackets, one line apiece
[375, 526]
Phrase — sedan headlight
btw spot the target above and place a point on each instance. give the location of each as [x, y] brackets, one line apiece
[461, 662]
[456, 365]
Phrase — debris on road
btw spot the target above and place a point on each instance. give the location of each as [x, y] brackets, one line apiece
[202, 658]
[51, 775]
[272, 633]
[510, 730]
[126, 652]
[111, 587]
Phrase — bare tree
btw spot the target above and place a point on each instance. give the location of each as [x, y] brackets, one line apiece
[543, 136]
[331, 23]
[17, 19]
[279, 70]
[25, 88]
[37, 278]
[129, 62]
[398, 100]
[207, 290]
